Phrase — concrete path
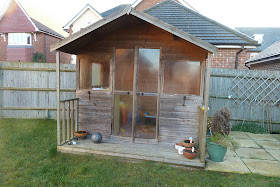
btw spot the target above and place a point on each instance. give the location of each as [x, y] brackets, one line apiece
[258, 153]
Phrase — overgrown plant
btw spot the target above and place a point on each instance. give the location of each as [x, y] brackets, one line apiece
[38, 57]
[220, 128]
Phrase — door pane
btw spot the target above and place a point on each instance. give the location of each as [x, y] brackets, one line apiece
[148, 70]
[124, 69]
[182, 78]
[123, 115]
[146, 117]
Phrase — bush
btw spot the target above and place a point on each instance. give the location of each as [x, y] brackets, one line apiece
[38, 57]
[221, 122]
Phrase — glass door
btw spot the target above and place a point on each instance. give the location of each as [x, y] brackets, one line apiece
[136, 93]
[123, 87]
[147, 93]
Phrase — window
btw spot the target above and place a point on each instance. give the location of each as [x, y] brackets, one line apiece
[182, 78]
[19, 39]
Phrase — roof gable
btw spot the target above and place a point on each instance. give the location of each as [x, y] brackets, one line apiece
[198, 25]
[15, 19]
[77, 16]
[128, 10]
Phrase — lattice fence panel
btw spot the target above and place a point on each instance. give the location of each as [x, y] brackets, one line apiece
[255, 88]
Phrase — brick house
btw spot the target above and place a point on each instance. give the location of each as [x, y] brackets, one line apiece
[233, 46]
[21, 36]
[268, 59]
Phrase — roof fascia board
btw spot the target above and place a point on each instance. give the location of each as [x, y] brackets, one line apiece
[128, 10]
[137, 2]
[5, 8]
[174, 30]
[89, 29]
[67, 26]
[51, 34]
[234, 46]
[36, 29]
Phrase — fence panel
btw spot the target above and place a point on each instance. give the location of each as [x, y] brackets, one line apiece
[28, 90]
[251, 95]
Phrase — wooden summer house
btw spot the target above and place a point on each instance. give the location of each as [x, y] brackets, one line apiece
[139, 80]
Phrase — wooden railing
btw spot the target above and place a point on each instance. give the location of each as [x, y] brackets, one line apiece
[69, 118]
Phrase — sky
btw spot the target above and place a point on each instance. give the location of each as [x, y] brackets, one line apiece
[232, 13]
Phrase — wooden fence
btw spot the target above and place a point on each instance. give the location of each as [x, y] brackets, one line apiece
[252, 95]
[28, 90]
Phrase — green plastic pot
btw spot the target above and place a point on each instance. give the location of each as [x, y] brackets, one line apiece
[216, 151]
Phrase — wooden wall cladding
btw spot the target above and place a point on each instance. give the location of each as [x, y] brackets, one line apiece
[176, 121]
[95, 112]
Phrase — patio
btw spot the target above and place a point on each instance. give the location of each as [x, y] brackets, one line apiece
[258, 153]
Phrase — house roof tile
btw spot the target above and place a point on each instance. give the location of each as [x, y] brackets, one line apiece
[198, 25]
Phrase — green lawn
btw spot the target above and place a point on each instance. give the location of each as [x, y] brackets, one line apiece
[28, 158]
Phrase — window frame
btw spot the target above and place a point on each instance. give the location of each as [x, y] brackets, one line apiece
[19, 39]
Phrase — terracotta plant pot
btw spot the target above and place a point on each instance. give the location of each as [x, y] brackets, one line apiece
[186, 143]
[177, 145]
[80, 134]
[189, 154]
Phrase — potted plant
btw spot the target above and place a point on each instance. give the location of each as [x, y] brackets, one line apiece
[220, 140]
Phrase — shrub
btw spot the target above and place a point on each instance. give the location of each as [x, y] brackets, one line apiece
[38, 57]
[250, 127]
[221, 122]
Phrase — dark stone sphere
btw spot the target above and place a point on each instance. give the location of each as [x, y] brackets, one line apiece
[97, 137]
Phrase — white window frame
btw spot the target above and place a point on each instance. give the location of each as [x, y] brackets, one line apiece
[19, 39]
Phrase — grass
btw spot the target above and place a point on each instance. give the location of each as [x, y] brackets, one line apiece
[250, 127]
[28, 157]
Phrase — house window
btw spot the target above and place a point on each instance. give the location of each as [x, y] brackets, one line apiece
[19, 39]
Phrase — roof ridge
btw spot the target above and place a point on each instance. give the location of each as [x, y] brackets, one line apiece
[247, 38]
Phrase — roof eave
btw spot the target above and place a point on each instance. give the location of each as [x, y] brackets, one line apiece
[277, 57]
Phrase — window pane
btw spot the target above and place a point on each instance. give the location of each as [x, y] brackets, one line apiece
[19, 39]
[123, 115]
[100, 76]
[124, 69]
[182, 78]
[148, 70]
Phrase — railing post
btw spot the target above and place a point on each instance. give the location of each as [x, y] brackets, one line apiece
[58, 98]
[63, 123]
[76, 114]
[72, 119]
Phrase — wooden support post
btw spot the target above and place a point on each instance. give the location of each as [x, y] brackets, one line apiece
[78, 74]
[68, 120]
[58, 97]
[160, 78]
[76, 114]
[112, 68]
[72, 118]
[205, 115]
[135, 90]
[63, 123]
[202, 77]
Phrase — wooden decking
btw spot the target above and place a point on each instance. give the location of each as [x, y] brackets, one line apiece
[154, 152]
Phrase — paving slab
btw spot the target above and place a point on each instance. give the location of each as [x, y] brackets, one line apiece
[265, 167]
[269, 144]
[247, 143]
[276, 136]
[275, 153]
[253, 153]
[267, 137]
[230, 153]
[238, 135]
[230, 164]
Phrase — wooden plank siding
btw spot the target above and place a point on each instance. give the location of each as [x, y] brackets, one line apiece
[95, 112]
[178, 122]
